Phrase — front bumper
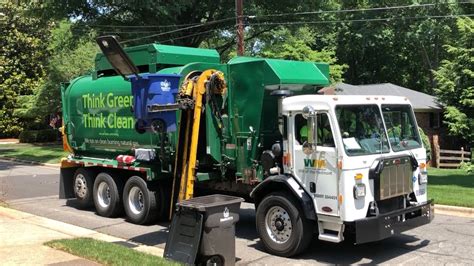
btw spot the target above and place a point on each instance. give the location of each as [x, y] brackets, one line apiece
[388, 224]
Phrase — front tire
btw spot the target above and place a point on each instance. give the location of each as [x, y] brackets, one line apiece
[139, 202]
[107, 196]
[281, 226]
[83, 181]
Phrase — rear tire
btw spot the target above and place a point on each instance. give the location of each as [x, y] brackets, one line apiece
[139, 202]
[107, 196]
[283, 229]
[83, 182]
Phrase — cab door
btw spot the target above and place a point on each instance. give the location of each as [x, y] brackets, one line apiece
[317, 170]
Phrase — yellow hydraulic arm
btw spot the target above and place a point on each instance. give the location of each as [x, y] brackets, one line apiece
[195, 87]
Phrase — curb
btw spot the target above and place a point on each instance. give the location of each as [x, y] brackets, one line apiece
[12, 159]
[454, 210]
[77, 231]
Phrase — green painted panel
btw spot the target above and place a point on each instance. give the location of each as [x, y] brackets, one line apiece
[278, 71]
[158, 54]
[98, 117]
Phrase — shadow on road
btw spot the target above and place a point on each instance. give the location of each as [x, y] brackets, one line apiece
[348, 253]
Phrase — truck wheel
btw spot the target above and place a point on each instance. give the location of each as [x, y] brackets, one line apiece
[282, 229]
[139, 202]
[107, 196]
[83, 185]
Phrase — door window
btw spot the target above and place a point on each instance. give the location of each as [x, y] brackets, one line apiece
[324, 136]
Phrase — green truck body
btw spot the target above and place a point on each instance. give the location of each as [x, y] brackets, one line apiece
[99, 123]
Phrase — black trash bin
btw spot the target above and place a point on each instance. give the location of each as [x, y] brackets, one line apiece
[203, 230]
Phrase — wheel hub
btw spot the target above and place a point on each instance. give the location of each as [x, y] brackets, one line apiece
[136, 200]
[80, 186]
[278, 224]
[103, 194]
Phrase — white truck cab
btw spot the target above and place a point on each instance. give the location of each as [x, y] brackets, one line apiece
[360, 164]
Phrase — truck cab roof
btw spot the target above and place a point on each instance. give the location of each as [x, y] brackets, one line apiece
[327, 102]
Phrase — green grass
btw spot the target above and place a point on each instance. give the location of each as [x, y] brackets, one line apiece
[106, 253]
[451, 187]
[32, 152]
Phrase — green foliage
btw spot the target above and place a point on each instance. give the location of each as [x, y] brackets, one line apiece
[44, 135]
[426, 143]
[107, 253]
[22, 58]
[71, 56]
[467, 166]
[455, 79]
[298, 46]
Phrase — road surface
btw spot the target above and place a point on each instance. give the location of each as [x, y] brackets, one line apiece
[448, 239]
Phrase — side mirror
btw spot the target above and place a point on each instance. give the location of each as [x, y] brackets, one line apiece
[312, 124]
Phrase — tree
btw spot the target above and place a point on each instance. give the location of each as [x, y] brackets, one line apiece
[402, 46]
[71, 56]
[455, 79]
[297, 46]
[22, 58]
[169, 22]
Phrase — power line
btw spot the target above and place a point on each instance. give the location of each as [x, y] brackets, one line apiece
[272, 23]
[181, 29]
[143, 26]
[355, 20]
[282, 14]
[358, 10]
[191, 35]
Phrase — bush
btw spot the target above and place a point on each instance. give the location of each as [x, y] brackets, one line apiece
[426, 143]
[467, 166]
[44, 135]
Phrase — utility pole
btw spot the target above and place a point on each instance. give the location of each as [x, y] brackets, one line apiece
[240, 26]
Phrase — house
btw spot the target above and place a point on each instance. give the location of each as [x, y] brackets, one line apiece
[427, 110]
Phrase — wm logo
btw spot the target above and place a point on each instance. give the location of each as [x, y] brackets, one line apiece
[310, 163]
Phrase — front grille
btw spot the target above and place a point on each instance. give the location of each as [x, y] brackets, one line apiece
[395, 177]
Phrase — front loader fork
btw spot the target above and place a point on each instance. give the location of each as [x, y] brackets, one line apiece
[193, 86]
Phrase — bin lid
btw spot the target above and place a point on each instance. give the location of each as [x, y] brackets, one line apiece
[205, 202]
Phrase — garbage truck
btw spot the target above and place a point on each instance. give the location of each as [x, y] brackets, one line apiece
[335, 167]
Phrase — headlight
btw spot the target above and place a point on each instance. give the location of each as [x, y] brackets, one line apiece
[423, 177]
[359, 191]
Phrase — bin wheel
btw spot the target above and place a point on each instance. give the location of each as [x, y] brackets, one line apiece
[107, 199]
[140, 126]
[83, 186]
[283, 231]
[214, 261]
[139, 202]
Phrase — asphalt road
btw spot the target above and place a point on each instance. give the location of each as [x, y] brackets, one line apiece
[448, 239]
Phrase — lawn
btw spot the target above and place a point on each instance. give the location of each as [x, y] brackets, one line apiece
[451, 187]
[106, 253]
[51, 153]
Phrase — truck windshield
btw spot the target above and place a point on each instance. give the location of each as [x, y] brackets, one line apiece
[362, 129]
[401, 128]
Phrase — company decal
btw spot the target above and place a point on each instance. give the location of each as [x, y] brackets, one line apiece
[165, 85]
[226, 214]
[101, 101]
[420, 192]
[322, 196]
[313, 166]
[313, 163]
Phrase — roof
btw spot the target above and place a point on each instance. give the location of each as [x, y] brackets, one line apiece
[420, 101]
